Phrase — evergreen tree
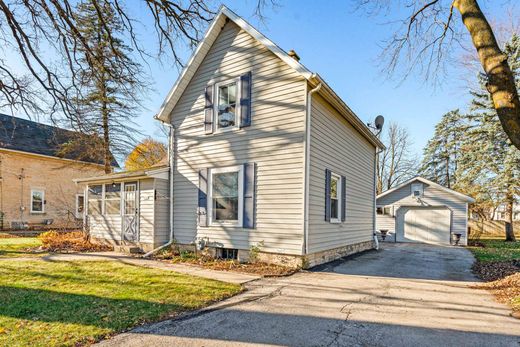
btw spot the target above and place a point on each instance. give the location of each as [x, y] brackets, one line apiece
[488, 153]
[109, 80]
[441, 154]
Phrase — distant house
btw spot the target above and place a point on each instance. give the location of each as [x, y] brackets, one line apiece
[500, 213]
[264, 154]
[420, 210]
[37, 164]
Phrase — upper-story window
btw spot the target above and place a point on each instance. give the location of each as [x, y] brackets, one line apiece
[226, 113]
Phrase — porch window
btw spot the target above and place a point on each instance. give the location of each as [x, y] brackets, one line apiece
[227, 105]
[37, 201]
[113, 199]
[226, 190]
[95, 199]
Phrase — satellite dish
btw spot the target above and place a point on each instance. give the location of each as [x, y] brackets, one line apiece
[379, 121]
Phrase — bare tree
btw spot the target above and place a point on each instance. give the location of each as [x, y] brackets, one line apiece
[45, 37]
[396, 163]
[425, 41]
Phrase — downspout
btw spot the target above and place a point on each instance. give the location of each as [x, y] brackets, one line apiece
[171, 153]
[308, 112]
[374, 214]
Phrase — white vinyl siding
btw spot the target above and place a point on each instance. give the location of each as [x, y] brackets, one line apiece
[337, 146]
[274, 141]
[432, 196]
[153, 215]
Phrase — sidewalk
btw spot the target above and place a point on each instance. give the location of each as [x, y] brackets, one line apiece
[223, 276]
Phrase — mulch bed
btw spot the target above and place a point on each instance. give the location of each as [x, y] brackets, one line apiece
[255, 268]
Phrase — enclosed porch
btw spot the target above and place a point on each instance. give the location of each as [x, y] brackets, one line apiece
[130, 209]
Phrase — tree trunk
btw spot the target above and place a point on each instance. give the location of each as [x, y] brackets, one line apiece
[501, 82]
[106, 140]
[510, 233]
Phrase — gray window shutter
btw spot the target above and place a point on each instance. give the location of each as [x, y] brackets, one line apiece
[203, 198]
[343, 198]
[327, 194]
[245, 100]
[249, 196]
[208, 110]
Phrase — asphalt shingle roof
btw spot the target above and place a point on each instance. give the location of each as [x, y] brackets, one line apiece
[32, 137]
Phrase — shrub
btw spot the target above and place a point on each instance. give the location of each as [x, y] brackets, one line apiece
[75, 241]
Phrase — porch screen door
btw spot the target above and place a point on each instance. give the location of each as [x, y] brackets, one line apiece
[130, 213]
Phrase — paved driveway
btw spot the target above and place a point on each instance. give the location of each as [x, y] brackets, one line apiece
[402, 295]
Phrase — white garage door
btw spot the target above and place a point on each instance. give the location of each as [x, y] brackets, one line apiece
[424, 224]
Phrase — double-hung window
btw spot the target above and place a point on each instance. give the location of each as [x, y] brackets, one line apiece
[225, 195]
[227, 105]
[335, 198]
[37, 201]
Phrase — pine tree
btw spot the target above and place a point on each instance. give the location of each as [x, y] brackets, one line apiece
[488, 153]
[441, 154]
[111, 82]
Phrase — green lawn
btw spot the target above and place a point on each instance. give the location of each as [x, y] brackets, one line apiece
[496, 250]
[16, 246]
[72, 303]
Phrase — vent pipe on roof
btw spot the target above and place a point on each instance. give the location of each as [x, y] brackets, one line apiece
[294, 55]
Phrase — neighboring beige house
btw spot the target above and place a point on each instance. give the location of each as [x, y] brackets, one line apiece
[501, 215]
[263, 154]
[36, 186]
[420, 210]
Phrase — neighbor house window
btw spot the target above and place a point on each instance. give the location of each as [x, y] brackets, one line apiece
[37, 201]
[80, 205]
[335, 201]
[113, 198]
[226, 113]
[226, 187]
[95, 199]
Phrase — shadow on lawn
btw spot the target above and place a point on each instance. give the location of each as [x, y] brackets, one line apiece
[51, 306]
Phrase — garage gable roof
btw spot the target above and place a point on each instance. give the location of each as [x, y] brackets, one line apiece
[204, 46]
[464, 197]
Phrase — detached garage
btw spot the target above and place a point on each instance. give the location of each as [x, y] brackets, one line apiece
[420, 210]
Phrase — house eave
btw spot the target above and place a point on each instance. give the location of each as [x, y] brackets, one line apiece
[160, 173]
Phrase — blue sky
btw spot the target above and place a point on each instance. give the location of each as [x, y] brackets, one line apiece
[343, 46]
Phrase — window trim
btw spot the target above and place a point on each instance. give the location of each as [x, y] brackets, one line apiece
[42, 191]
[238, 96]
[76, 212]
[421, 190]
[240, 170]
[339, 193]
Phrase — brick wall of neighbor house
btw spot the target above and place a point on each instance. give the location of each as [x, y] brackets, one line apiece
[52, 175]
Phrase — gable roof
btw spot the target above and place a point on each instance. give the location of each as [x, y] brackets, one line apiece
[23, 135]
[314, 79]
[464, 197]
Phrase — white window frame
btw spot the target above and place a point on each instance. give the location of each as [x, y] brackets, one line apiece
[76, 212]
[216, 104]
[240, 170]
[417, 187]
[87, 201]
[340, 194]
[42, 191]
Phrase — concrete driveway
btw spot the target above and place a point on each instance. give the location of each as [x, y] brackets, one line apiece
[402, 295]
